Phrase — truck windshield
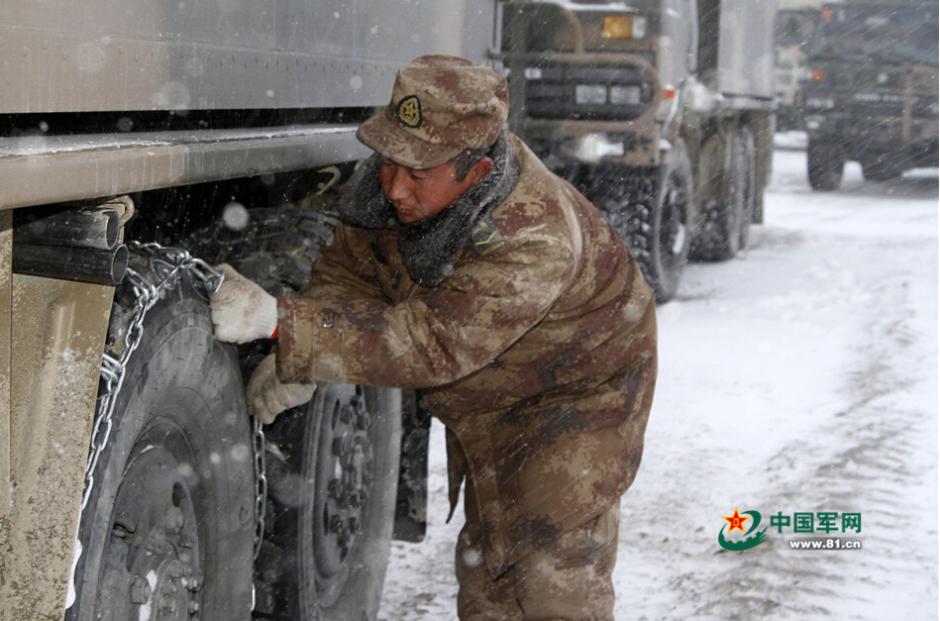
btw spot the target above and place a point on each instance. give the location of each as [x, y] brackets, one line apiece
[886, 34]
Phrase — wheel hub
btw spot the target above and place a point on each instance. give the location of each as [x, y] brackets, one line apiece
[152, 554]
[344, 481]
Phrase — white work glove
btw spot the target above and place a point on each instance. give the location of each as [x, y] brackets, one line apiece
[268, 396]
[241, 310]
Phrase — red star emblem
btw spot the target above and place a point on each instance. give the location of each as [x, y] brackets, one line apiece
[736, 521]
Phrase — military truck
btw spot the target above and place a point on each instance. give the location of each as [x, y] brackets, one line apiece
[660, 111]
[872, 92]
[142, 143]
[793, 31]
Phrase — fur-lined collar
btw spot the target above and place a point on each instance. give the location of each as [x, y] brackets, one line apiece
[430, 247]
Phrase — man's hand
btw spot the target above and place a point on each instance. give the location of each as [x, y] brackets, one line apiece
[241, 310]
[268, 396]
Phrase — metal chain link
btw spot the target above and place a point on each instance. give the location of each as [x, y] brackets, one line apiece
[261, 485]
[168, 265]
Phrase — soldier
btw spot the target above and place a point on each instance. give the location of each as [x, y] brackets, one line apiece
[464, 268]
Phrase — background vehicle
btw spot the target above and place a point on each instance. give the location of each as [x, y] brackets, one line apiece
[793, 30]
[872, 95]
[200, 118]
[661, 112]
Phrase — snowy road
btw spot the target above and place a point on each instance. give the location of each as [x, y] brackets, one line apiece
[801, 377]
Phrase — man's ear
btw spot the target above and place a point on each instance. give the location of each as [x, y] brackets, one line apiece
[480, 169]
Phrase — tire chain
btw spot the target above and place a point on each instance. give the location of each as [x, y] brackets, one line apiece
[276, 250]
[166, 266]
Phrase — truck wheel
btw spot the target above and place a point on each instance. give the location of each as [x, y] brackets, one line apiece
[332, 464]
[650, 210]
[880, 169]
[664, 231]
[824, 163]
[168, 530]
[727, 220]
[333, 501]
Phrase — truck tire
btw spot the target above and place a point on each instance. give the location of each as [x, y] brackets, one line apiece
[824, 164]
[309, 568]
[727, 221]
[650, 210]
[333, 502]
[168, 530]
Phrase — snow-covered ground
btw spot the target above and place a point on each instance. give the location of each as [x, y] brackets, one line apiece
[791, 140]
[800, 377]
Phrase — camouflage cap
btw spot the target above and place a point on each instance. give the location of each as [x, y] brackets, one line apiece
[440, 106]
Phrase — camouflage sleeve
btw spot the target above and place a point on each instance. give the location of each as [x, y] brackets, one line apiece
[343, 268]
[433, 338]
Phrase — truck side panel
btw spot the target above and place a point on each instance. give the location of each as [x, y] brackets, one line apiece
[746, 48]
[145, 55]
[167, 55]
[6, 319]
[679, 41]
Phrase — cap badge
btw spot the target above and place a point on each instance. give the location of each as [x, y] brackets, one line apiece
[409, 111]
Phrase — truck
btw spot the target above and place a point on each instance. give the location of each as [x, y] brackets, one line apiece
[871, 95]
[793, 30]
[660, 111]
[142, 143]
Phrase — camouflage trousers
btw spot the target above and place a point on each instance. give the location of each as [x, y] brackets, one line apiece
[566, 580]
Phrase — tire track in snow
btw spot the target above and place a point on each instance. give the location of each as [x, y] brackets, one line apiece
[873, 475]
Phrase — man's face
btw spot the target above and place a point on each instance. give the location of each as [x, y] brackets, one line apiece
[421, 194]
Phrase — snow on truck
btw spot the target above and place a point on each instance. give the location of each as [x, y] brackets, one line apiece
[134, 139]
[661, 111]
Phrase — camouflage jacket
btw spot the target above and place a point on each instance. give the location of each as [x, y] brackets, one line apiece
[537, 351]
